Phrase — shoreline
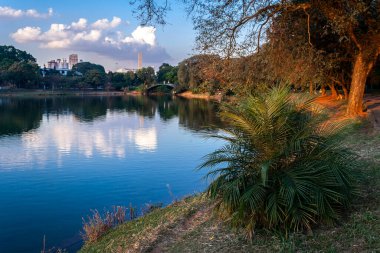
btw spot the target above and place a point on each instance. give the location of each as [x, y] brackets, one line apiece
[206, 96]
[57, 93]
[45, 93]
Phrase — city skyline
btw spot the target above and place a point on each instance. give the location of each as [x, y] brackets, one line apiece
[64, 64]
[103, 34]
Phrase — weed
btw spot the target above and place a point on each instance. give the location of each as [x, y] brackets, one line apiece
[97, 225]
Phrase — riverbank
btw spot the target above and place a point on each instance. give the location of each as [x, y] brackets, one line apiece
[47, 93]
[34, 93]
[57, 93]
[207, 96]
[191, 226]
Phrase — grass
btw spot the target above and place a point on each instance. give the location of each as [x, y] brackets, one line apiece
[140, 234]
[190, 225]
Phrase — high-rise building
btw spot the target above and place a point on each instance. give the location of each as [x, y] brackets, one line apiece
[64, 64]
[52, 64]
[73, 59]
[139, 60]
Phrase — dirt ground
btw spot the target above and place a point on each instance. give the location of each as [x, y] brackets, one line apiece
[371, 106]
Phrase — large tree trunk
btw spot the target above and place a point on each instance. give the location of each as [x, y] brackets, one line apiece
[362, 67]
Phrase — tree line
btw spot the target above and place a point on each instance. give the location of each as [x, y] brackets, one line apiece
[18, 69]
[307, 43]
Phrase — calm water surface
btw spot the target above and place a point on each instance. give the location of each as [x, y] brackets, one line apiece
[61, 157]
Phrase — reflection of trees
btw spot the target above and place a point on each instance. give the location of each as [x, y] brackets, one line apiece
[166, 106]
[141, 105]
[197, 114]
[87, 109]
[19, 115]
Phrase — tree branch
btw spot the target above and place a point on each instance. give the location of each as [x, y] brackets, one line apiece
[353, 37]
[308, 26]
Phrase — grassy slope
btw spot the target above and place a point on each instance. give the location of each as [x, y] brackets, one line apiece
[189, 226]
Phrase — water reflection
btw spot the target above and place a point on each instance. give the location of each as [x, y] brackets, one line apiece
[19, 115]
[51, 128]
[63, 156]
[22, 115]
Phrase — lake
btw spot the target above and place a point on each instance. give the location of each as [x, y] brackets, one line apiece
[60, 157]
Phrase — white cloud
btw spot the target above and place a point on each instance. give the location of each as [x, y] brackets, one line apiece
[6, 11]
[26, 34]
[80, 25]
[104, 23]
[100, 37]
[58, 44]
[142, 34]
[55, 33]
[93, 35]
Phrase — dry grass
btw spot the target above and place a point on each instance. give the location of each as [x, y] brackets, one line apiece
[97, 225]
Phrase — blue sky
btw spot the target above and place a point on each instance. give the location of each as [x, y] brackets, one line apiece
[103, 32]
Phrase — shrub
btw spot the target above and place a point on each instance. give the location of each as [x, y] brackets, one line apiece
[96, 225]
[283, 166]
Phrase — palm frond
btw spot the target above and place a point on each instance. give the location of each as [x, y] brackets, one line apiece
[283, 166]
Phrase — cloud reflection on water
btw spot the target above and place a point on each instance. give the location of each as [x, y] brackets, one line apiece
[112, 136]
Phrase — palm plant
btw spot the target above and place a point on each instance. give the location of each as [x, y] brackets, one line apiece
[283, 167]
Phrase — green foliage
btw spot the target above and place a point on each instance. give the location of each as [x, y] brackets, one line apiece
[23, 74]
[197, 73]
[283, 167]
[146, 76]
[122, 80]
[9, 55]
[95, 77]
[167, 73]
[117, 80]
[84, 67]
[18, 68]
[130, 78]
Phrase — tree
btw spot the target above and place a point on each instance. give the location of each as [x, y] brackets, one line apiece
[9, 55]
[146, 76]
[197, 73]
[95, 78]
[239, 27]
[130, 78]
[18, 67]
[167, 73]
[282, 167]
[84, 67]
[24, 74]
[117, 80]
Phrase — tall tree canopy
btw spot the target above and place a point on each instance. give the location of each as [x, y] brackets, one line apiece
[146, 76]
[84, 67]
[18, 68]
[9, 55]
[167, 73]
[240, 28]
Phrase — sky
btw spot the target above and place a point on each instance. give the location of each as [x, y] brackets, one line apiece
[102, 32]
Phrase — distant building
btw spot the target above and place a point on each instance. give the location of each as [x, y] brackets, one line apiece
[61, 65]
[73, 59]
[125, 70]
[139, 60]
[52, 64]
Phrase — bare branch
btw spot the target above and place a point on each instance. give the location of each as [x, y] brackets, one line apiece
[308, 26]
